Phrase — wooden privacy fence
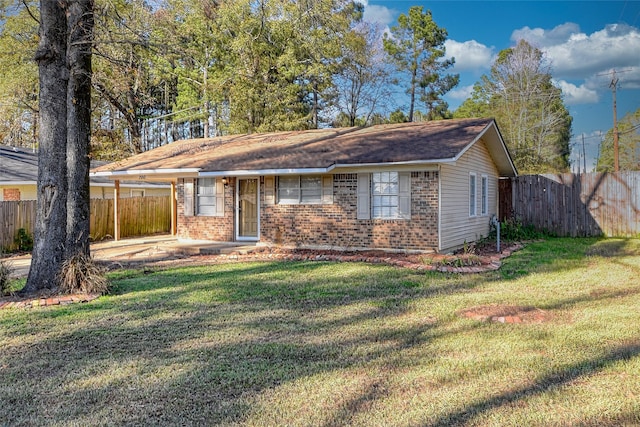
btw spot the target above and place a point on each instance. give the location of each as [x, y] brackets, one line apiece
[139, 216]
[592, 204]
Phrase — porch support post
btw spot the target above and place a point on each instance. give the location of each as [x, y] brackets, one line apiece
[116, 210]
[174, 209]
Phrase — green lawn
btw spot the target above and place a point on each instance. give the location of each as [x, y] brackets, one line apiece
[328, 344]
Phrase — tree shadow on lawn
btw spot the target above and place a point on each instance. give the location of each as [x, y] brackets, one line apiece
[542, 385]
[184, 358]
[171, 360]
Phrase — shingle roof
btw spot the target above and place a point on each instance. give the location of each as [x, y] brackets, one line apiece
[19, 165]
[428, 142]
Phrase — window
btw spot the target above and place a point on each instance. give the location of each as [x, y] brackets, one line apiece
[309, 189]
[472, 194]
[206, 197]
[384, 192]
[485, 196]
[289, 190]
[203, 196]
[384, 195]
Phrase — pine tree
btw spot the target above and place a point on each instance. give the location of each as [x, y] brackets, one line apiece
[416, 47]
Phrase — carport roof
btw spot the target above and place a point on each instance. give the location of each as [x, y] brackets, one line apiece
[318, 150]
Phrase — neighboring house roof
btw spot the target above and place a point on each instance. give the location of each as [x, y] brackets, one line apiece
[320, 150]
[19, 166]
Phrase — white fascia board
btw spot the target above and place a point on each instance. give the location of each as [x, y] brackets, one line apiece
[146, 173]
[503, 146]
[5, 183]
[432, 165]
[394, 164]
[149, 186]
[468, 146]
[260, 172]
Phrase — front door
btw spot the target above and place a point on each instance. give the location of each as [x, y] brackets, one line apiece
[247, 209]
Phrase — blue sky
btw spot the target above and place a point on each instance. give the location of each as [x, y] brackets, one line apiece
[583, 41]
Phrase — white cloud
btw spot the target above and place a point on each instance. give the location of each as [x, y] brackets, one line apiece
[574, 95]
[575, 54]
[542, 38]
[378, 14]
[469, 55]
[460, 93]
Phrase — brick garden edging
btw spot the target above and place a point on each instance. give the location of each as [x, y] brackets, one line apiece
[487, 263]
[48, 301]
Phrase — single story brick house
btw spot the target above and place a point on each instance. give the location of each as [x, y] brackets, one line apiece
[429, 186]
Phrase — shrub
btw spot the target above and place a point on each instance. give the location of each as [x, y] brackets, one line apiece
[81, 273]
[5, 281]
[513, 230]
[24, 241]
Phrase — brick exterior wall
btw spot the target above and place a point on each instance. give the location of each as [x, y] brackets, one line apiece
[207, 227]
[11, 194]
[329, 225]
[335, 225]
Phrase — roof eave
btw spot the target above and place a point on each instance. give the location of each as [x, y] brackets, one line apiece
[498, 150]
[147, 174]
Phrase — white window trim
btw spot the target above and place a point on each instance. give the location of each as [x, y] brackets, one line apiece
[217, 194]
[364, 209]
[473, 195]
[325, 191]
[484, 195]
[380, 197]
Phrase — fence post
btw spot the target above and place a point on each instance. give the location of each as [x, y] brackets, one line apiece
[174, 209]
[116, 210]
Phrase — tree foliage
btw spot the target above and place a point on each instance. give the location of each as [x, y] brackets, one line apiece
[174, 69]
[255, 66]
[528, 108]
[628, 146]
[122, 76]
[363, 81]
[18, 75]
[416, 46]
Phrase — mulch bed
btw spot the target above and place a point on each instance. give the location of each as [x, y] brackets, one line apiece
[481, 260]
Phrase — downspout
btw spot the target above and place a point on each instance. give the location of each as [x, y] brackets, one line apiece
[439, 207]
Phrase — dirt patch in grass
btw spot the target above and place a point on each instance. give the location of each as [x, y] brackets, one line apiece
[506, 314]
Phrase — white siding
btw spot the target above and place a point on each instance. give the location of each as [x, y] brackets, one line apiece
[28, 192]
[456, 225]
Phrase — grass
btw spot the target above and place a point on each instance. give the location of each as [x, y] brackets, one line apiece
[324, 344]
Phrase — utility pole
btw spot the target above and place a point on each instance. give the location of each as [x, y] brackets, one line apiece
[616, 161]
[584, 155]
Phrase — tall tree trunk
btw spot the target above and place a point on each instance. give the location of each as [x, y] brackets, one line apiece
[80, 28]
[51, 205]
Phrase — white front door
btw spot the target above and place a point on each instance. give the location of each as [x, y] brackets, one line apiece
[247, 209]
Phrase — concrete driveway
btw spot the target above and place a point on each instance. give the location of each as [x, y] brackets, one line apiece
[139, 250]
